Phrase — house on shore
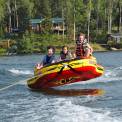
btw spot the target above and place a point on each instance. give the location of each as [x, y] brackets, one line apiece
[115, 37]
[58, 25]
[114, 40]
[35, 25]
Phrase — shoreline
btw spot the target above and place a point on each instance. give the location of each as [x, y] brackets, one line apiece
[98, 51]
[96, 47]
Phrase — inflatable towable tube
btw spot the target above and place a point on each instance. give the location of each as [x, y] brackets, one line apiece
[65, 72]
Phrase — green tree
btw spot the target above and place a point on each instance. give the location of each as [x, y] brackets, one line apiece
[2, 9]
[56, 7]
[42, 8]
[2, 15]
[17, 11]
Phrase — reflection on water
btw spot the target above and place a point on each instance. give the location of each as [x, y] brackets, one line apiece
[72, 92]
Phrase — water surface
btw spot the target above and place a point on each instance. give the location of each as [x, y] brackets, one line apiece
[19, 104]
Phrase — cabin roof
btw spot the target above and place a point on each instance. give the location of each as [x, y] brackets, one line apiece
[116, 35]
[36, 21]
[53, 20]
[57, 20]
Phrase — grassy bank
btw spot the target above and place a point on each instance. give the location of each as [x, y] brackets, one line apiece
[3, 51]
[98, 47]
[36, 43]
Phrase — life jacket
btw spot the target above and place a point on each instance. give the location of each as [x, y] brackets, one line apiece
[64, 56]
[48, 59]
[79, 48]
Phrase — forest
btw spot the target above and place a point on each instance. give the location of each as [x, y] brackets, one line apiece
[95, 18]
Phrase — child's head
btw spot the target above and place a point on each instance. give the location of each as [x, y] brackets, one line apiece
[81, 37]
[50, 50]
[65, 49]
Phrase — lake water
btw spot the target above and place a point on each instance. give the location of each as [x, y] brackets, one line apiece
[20, 104]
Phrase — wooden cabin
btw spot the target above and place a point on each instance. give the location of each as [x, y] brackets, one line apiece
[35, 25]
[115, 37]
[58, 25]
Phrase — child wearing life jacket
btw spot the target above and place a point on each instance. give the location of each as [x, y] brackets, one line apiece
[83, 49]
[49, 58]
[65, 54]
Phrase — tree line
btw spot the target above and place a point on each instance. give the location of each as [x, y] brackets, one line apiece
[93, 17]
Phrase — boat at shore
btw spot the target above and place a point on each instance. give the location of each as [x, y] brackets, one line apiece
[65, 72]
